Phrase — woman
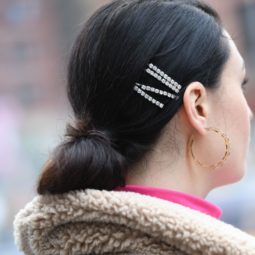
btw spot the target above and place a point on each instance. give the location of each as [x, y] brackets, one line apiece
[160, 121]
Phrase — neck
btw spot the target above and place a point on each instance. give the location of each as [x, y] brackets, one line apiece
[175, 176]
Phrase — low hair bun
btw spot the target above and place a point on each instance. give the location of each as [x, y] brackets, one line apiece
[87, 159]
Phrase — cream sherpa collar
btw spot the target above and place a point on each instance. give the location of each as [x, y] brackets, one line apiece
[97, 222]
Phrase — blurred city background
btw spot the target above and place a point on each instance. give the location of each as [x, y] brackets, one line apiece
[35, 41]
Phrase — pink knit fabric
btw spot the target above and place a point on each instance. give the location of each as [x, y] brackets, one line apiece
[178, 197]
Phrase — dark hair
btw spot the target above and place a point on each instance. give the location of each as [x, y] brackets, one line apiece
[115, 127]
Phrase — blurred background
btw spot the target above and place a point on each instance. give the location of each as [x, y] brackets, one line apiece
[35, 41]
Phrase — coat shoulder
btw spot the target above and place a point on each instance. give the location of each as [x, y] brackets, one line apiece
[107, 222]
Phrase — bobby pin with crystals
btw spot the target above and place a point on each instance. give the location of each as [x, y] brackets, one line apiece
[158, 74]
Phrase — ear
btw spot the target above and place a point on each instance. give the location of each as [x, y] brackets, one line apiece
[195, 106]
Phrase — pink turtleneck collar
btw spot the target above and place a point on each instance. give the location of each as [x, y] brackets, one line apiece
[185, 199]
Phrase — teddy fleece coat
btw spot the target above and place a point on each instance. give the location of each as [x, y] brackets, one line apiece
[94, 221]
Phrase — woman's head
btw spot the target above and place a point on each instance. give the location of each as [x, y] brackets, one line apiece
[115, 127]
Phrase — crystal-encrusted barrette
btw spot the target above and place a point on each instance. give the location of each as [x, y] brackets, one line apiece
[161, 76]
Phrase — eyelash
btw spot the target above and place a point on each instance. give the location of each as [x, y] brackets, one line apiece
[245, 81]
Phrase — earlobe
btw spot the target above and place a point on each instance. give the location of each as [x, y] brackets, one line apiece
[195, 106]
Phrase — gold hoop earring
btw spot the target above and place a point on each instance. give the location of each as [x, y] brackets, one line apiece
[223, 159]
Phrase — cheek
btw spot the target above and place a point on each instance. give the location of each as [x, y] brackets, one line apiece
[236, 117]
[236, 123]
[239, 132]
[242, 121]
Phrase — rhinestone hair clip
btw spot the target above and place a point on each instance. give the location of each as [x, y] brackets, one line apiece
[158, 74]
